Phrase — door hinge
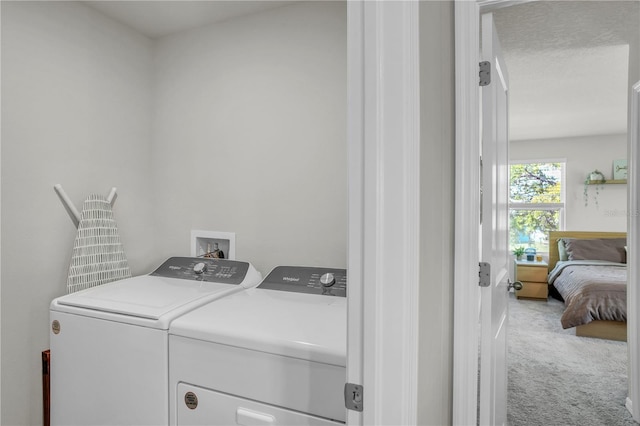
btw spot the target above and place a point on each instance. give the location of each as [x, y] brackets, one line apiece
[353, 396]
[484, 274]
[485, 73]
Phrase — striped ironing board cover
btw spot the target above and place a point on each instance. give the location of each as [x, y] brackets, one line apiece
[98, 256]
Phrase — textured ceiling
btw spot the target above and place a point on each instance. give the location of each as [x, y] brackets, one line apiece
[568, 65]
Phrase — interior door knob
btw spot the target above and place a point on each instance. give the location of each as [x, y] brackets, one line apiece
[515, 285]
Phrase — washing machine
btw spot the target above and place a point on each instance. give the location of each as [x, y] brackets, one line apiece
[274, 354]
[109, 344]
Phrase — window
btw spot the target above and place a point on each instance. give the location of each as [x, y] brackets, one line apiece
[536, 203]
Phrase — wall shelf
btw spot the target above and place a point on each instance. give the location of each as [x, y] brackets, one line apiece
[607, 182]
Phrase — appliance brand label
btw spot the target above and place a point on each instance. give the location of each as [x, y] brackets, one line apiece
[291, 279]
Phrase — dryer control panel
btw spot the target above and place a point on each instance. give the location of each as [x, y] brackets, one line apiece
[211, 270]
[305, 279]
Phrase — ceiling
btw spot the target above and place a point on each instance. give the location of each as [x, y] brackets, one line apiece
[568, 64]
[567, 60]
[160, 18]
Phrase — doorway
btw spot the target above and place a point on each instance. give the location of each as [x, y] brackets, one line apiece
[466, 303]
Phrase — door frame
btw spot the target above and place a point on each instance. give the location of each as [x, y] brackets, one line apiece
[466, 335]
[633, 293]
[466, 291]
[466, 299]
[384, 208]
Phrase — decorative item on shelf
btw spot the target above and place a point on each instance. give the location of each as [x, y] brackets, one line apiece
[595, 178]
[530, 252]
[620, 169]
[518, 252]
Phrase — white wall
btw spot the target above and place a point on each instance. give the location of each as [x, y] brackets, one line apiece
[250, 136]
[437, 212]
[238, 126]
[582, 155]
[76, 110]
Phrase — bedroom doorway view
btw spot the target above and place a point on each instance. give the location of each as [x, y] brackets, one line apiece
[564, 125]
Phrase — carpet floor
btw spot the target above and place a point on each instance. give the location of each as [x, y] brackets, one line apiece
[556, 378]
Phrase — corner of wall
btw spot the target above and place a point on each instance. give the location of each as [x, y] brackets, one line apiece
[437, 212]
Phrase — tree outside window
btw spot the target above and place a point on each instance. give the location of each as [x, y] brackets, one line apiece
[536, 203]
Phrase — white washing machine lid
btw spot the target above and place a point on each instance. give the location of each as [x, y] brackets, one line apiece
[144, 296]
[304, 326]
[155, 300]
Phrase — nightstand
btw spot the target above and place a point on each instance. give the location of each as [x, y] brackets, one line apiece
[533, 276]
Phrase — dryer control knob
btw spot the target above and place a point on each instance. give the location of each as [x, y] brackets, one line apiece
[200, 268]
[327, 280]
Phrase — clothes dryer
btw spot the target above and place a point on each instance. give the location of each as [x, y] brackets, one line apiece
[109, 344]
[275, 354]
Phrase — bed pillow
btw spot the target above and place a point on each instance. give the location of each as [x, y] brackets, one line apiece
[609, 249]
[562, 250]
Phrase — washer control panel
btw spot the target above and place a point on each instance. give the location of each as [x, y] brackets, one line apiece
[211, 270]
[305, 279]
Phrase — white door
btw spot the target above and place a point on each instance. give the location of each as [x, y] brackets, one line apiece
[633, 257]
[494, 246]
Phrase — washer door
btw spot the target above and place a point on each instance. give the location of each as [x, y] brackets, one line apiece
[146, 296]
[198, 406]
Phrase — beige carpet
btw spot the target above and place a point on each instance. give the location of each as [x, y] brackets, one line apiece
[556, 378]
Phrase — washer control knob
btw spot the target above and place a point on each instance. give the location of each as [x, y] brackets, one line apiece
[199, 268]
[327, 280]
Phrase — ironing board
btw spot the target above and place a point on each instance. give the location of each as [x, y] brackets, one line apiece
[98, 256]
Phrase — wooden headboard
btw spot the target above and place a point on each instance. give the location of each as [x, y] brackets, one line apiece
[554, 236]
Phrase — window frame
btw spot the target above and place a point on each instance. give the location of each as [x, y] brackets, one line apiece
[560, 207]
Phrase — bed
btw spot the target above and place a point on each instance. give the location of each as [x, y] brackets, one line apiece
[593, 283]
